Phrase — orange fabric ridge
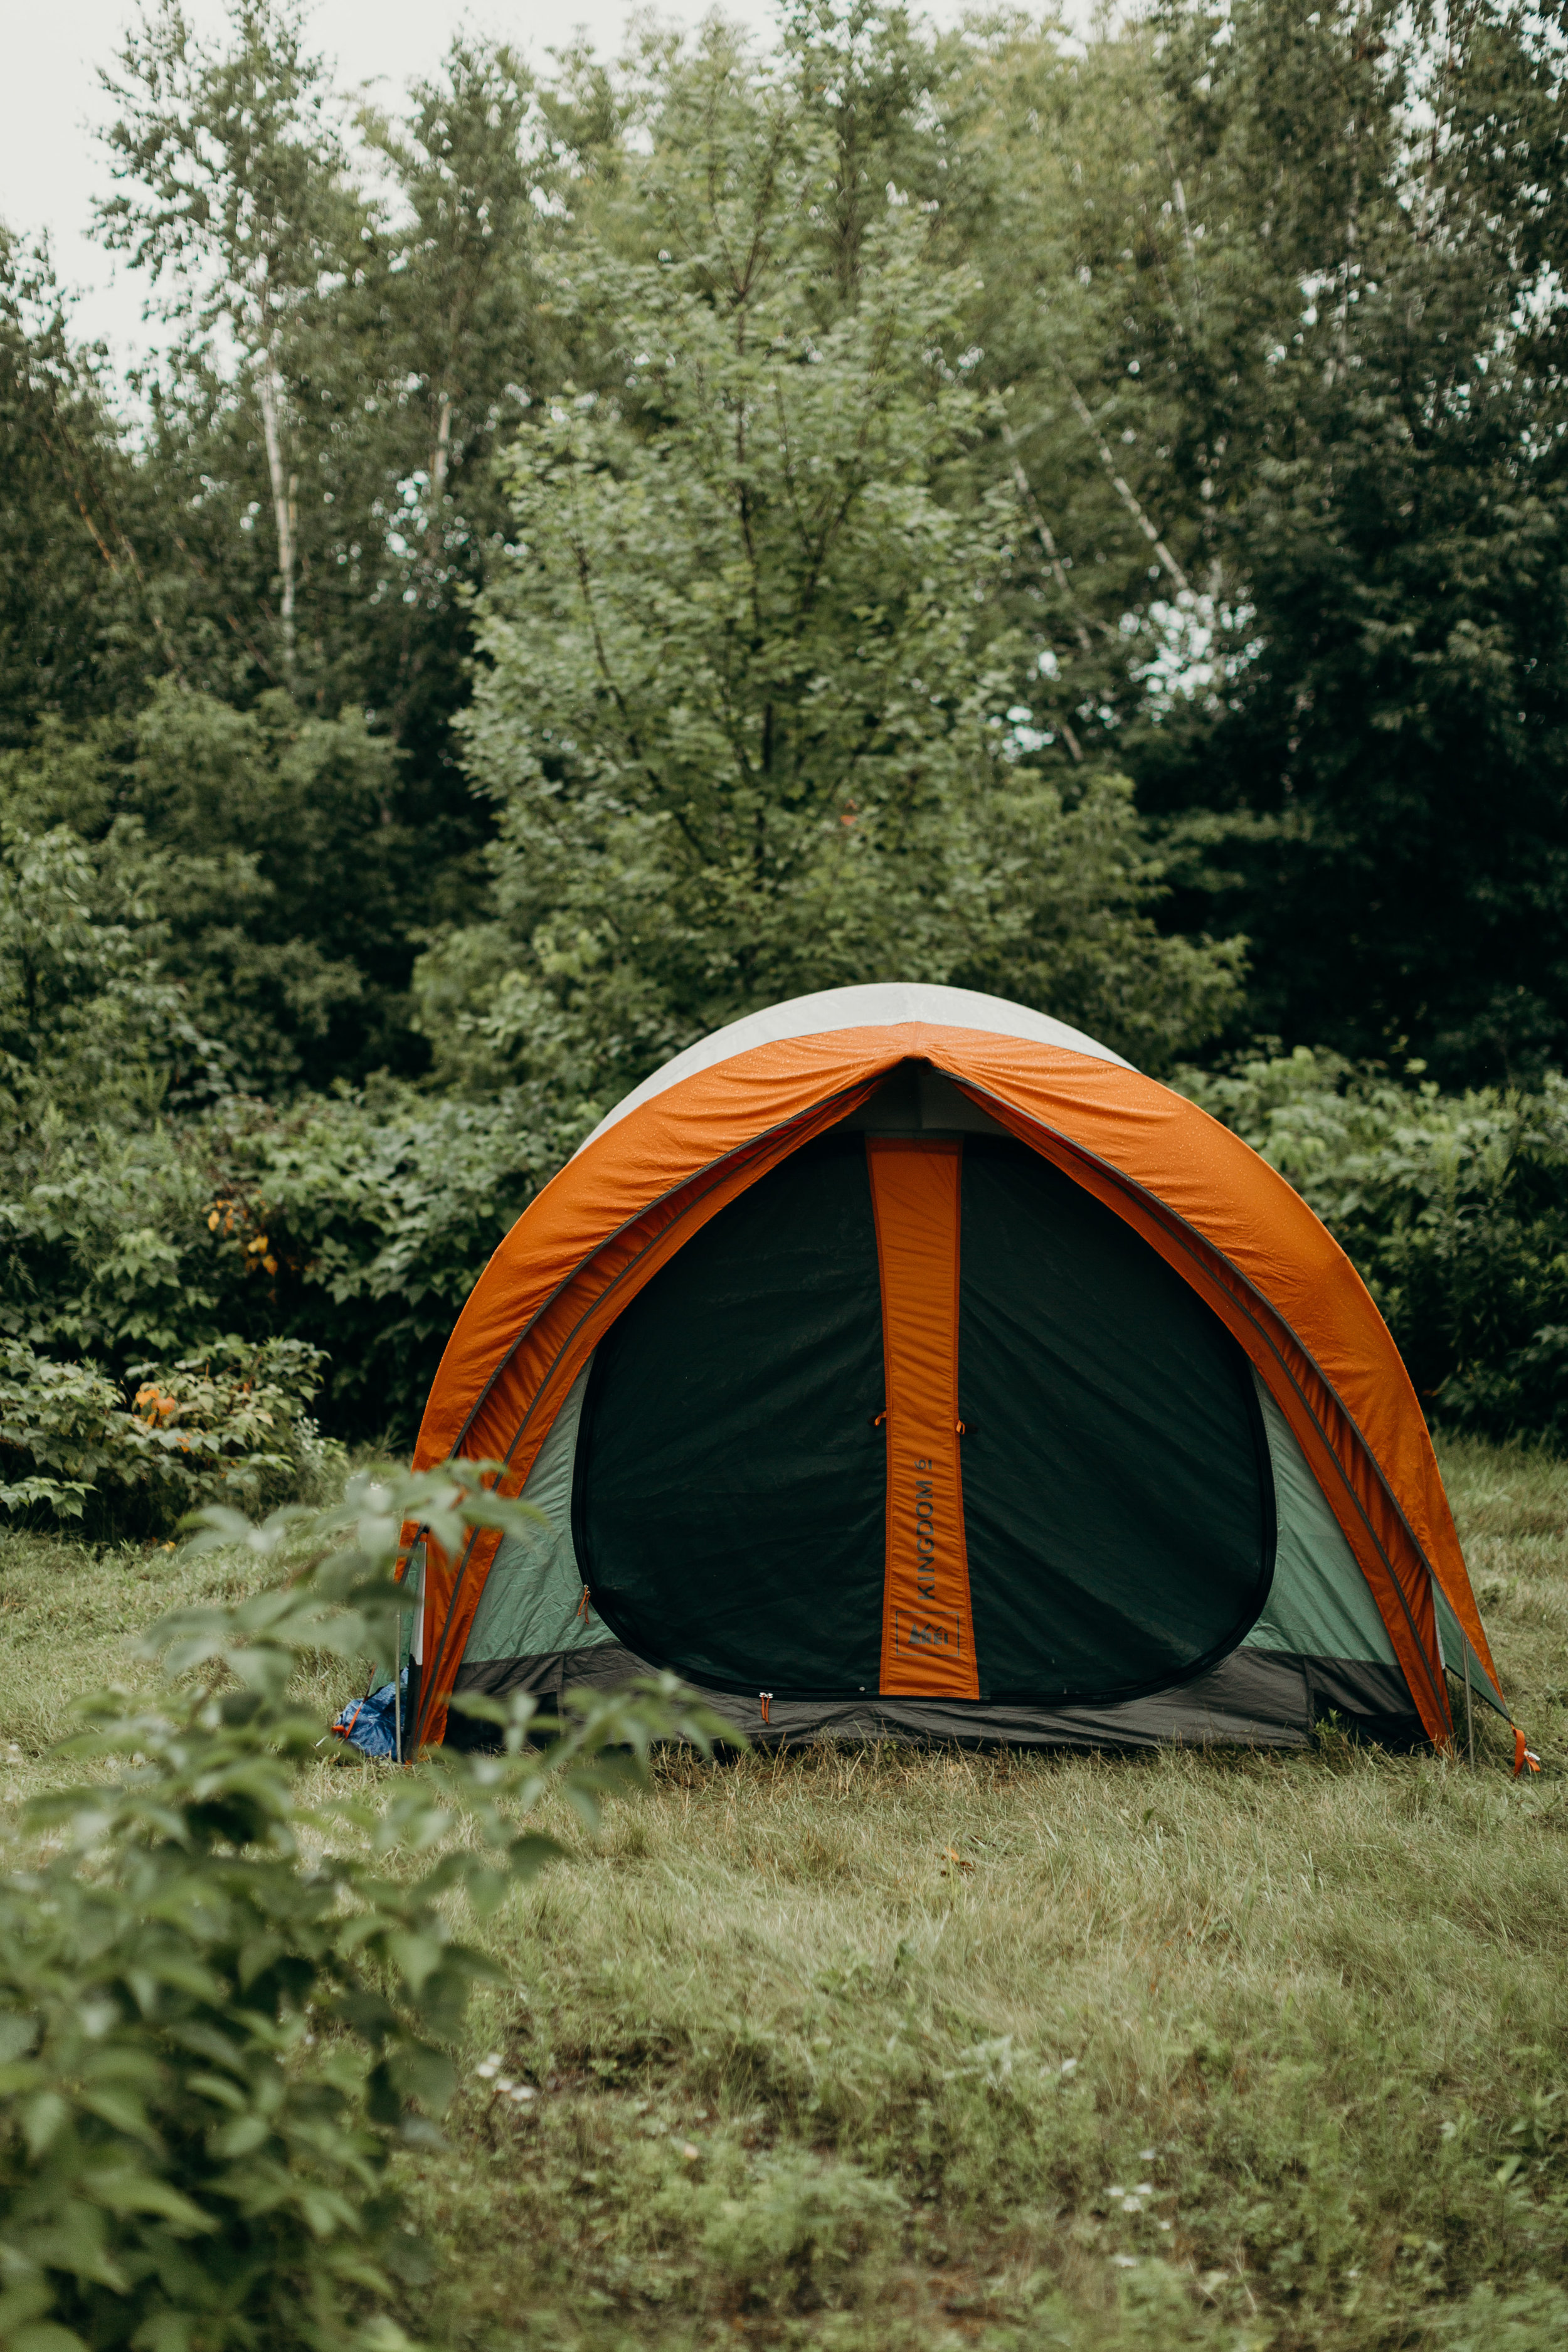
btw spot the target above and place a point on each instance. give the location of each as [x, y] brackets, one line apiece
[928, 1637]
[1228, 1223]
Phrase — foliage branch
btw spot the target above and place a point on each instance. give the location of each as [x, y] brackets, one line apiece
[228, 1998]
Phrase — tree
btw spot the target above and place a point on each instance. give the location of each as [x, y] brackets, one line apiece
[238, 190]
[364, 330]
[262, 844]
[91, 1025]
[453, 335]
[1268, 300]
[460, 165]
[1369, 371]
[79, 624]
[747, 719]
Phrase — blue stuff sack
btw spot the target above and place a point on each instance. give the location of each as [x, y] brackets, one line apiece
[369, 1724]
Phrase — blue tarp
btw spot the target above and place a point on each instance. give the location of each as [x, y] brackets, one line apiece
[369, 1724]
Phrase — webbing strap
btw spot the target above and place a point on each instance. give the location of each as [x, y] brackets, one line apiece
[928, 1637]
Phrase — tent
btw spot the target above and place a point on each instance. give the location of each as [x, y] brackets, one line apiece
[899, 1361]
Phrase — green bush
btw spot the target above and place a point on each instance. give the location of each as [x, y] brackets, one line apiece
[147, 1212]
[231, 1426]
[808, 2225]
[222, 2007]
[91, 1025]
[357, 1224]
[1454, 1209]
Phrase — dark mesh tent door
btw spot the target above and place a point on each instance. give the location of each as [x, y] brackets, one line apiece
[731, 1476]
[1118, 1494]
[728, 1500]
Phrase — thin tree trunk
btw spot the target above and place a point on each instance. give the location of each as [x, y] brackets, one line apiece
[1179, 197]
[1122, 492]
[1043, 533]
[282, 501]
[1347, 267]
[439, 454]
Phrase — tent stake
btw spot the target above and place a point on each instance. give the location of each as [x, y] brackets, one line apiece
[397, 1691]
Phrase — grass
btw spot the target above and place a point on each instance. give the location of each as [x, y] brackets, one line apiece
[876, 2049]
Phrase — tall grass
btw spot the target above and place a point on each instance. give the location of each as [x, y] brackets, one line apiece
[874, 2048]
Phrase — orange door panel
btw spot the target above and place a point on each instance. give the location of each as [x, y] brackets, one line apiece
[928, 1641]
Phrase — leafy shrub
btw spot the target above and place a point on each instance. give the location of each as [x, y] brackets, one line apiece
[221, 2008]
[233, 1425]
[808, 2225]
[91, 1023]
[357, 1225]
[1454, 1209]
[209, 845]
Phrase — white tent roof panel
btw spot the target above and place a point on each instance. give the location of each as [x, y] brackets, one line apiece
[883, 1004]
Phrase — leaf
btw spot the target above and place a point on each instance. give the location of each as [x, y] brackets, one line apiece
[417, 1958]
[166, 2331]
[424, 2074]
[138, 2192]
[242, 2138]
[529, 1854]
[17, 2032]
[219, 2089]
[371, 2016]
[325, 2216]
[120, 2108]
[486, 1889]
[74, 2242]
[42, 2120]
[382, 2335]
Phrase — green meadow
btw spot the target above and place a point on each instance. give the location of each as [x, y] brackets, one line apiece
[876, 2048]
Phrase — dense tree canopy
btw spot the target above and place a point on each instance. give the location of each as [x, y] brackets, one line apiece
[1384, 425]
[748, 714]
[954, 425]
[598, 548]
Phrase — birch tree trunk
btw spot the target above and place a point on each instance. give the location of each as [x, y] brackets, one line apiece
[1119, 485]
[271, 387]
[439, 454]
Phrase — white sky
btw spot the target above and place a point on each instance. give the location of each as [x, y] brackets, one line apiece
[51, 166]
